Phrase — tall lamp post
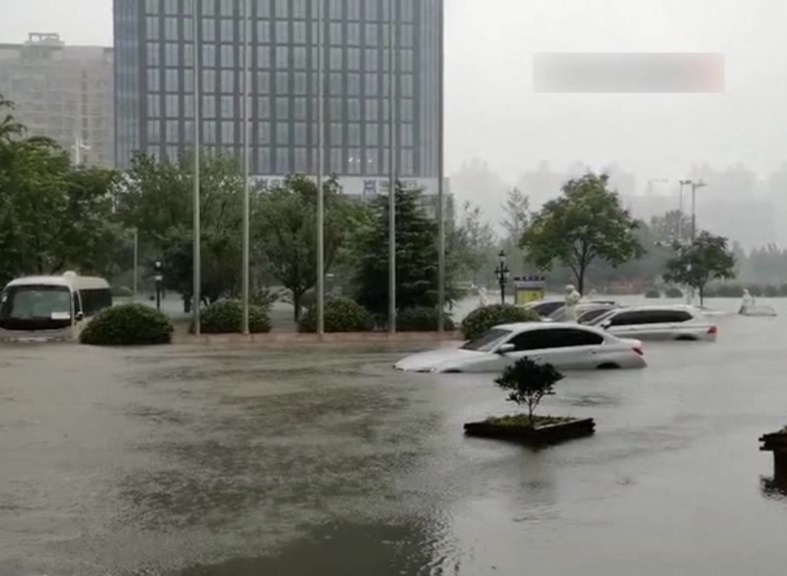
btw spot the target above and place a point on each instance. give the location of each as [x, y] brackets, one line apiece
[159, 278]
[501, 271]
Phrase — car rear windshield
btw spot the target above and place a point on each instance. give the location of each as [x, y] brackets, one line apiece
[488, 341]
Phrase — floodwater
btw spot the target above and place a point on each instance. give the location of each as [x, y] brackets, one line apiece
[240, 461]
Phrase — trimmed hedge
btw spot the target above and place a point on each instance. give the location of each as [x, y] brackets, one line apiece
[341, 315]
[421, 320]
[226, 317]
[673, 293]
[482, 319]
[652, 293]
[127, 325]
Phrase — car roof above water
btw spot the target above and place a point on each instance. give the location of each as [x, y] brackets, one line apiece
[40, 281]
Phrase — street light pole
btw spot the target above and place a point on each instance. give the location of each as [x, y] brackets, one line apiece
[246, 165]
[136, 265]
[197, 259]
[501, 271]
[320, 166]
[440, 176]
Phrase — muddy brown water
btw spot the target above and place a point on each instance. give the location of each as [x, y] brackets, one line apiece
[189, 461]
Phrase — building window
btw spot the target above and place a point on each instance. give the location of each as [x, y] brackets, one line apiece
[264, 32]
[282, 133]
[282, 82]
[209, 132]
[151, 28]
[188, 55]
[263, 57]
[282, 161]
[172, 80]
[227, 7]
[208, 7]
[407, 110]
[299, 32]
[154, 85]
[209, 106]
[228, 55]
[355, 161]
[372, 161]
[335, 34]
[335, 109]
[154, 131]
[301, 160]
[264, 82]
[336, 86]
[188, 107]
[372, 110]
[299, 112]
[371, 84]
[300, 134]
[153, 54]
[154, 105]
[372, 134]
[227, 30]
[209, 81]
[282, 8]
[264, 133]
[406, 86]
[173, 132]
[171, 29]
[406, 60]
[228, 106]
[406, 36]
[188, 131]
[299, 58]
[353, 59]
[407, 166]
[406, 135]
[282, 108]
[282, 32]
[228, 81]
[406, 10]
[171, 54]
[263, 108]
[282, 57]
[371, 59]
[335, 58]
[353, 34]
[264, 161]
[172, 107]
[208, 56]
[337, 134]
[188, 29]
[228, 132]
[337, 166]
[371, 9]
[300, 87]
[208, 29]
[354, 134]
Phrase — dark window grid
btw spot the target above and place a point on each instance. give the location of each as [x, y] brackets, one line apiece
[282, 92]
[418, 167]
[345, 99]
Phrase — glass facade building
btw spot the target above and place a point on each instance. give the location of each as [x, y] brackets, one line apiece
[155, 67]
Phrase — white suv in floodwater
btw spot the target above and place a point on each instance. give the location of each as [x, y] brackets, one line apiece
[658, 323]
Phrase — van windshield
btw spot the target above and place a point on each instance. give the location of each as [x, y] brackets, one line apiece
[35, 307]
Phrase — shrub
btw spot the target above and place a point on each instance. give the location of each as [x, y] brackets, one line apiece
[652, 293]
[226, 317]
[673, 292]
[421, 320]
[127, 325]
[482, 319]
[527, 382]
[341, 315]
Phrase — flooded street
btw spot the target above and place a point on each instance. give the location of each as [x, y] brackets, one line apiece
[239, 461]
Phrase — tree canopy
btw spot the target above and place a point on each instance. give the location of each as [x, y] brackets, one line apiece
[587, 222]
[706, 258]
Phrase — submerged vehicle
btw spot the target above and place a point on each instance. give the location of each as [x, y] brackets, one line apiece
[50, 307]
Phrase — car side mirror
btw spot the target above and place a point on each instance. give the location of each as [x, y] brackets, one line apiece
[79, 316]
[505, 348]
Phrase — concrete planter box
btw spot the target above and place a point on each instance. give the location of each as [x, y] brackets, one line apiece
[545, 432]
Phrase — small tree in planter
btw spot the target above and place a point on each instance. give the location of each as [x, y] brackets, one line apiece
[527, 382]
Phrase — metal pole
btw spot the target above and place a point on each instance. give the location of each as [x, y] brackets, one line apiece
[197, 280]
[440, 177]
[136, 266]
[693, 212]
[320, 163]
[246, 166]
[392, 169]
[680, 211]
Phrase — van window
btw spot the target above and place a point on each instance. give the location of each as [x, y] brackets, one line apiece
[94, 300]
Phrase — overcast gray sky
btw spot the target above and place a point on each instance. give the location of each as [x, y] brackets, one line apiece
[493, 114]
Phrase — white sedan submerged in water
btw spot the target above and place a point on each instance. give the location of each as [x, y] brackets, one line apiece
[565, 346]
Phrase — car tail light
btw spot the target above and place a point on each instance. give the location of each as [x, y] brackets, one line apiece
[712, 331]
[639, 351]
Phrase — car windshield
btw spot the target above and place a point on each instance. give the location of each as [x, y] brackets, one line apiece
[488, 341]
[35, 308]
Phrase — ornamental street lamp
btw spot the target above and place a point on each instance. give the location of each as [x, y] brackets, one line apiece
[159, 278]
[501, 271]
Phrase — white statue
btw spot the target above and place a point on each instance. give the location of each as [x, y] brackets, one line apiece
[572, 299]
[747, 303]
[482, 299]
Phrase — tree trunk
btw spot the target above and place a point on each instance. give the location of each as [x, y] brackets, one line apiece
[296, 305]
[702, 295]
[581, 282]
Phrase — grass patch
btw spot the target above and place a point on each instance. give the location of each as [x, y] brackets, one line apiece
[521, 420]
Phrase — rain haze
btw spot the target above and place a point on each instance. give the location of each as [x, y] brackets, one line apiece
[499, 129]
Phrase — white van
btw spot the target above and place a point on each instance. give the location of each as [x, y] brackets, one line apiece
[50, 307]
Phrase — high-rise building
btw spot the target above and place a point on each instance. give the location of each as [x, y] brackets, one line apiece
[62, 92]
[155, 67]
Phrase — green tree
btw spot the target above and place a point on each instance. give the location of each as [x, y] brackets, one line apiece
[156, 198]
[285, 227]
[474, 245]
[527, 382]
[706, 258]
[586, 223]
[416, 257]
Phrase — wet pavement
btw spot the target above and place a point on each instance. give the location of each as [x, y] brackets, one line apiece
[188, 461]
